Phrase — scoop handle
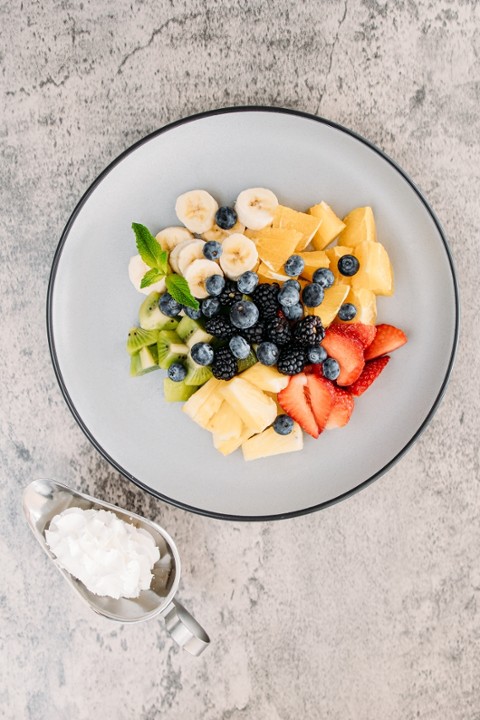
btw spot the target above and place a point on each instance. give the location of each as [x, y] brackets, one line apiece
[185, 630]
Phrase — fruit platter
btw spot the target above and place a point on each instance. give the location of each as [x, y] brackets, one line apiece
[184, 389]
[263, 316]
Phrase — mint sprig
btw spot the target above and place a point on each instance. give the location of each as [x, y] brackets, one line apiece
[157, 260]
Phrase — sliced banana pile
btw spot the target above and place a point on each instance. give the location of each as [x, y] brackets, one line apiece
[254, 209]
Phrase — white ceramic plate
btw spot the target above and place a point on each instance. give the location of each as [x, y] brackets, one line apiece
[91, 305]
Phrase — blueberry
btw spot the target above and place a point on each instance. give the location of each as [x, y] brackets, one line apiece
[226, 217]
[177, 372]
[212, 250]
[316, 355]
[194, 314]
[244, 314]
[294, 265]
[312, 295]
[210, 307]
[330, 368]
[324, 277]
[202, 353]
[292, 283]
[283, 425]
[348, 265]
[288, 296]
[294, 312]
[267, 353]
[169, 306]
[214, 284]
[347, 311]
[247, 282]
[239, 347]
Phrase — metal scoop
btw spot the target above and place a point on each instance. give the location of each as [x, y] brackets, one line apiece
[43, 499]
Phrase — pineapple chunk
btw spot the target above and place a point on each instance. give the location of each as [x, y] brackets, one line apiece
[330, 225]
[359, 227]
[270, 276]
[226, 447]
[205, 402]
[366, 303]
[225, 423]
[334, 254]
[313, 260]
[333, 298]
[270, 443]
[265, 378]
[375, 271]
[274, 245]
[289, 219]
[256, 409]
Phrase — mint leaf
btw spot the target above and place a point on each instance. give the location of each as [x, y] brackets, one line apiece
[150, 277]
[149, 249]
[178, 288]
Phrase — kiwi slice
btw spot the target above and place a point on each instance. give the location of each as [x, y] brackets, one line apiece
[186, 328]
[170, 348]
[177, 391]
[139, 338]
[196, 374]
[144, 361]
[247, 362]
[152, 318]
[200, 335]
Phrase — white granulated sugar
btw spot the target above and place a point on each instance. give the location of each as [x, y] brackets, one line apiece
[111, 557]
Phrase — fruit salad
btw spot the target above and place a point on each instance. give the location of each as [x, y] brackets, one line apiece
[263, 317]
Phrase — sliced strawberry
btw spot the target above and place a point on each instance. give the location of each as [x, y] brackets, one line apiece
[348, 352]
[342, 408]
[321, 395]
[387, 339]
[359, 331]
[295, 401]
[370, 372]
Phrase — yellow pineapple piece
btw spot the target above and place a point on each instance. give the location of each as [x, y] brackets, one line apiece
[226, 447]
[265, 378]
[313, 260]
[359, 227]
[205, 402]
[274, 245]
[256, 409]
[270, 443]
[265, 275]
[289, 219]
[375, 272]
[225, 423]
[366, 303]
[334, 254]
[333, 298]
[330, 225]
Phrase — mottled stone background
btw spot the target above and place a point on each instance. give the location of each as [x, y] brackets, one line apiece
[368, 610]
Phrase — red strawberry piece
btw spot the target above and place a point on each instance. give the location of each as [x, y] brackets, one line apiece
[296, 403]
[342, 409]
[387, 339]
[348, 352]
[370, 372]
[359, 331]
[321, 395]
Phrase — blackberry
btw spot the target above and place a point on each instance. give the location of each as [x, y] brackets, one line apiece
[265, 298]
[254, 334]
[309, 331]
[224, 365]
[292, 360]
[230, 294]
[220, 327]
[278, 331]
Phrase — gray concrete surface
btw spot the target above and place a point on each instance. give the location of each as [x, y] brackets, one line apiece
[372, 612]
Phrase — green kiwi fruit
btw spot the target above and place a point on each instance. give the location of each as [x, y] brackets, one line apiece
[139, 338]
[152, 318]
[196, 374]
[247, 362]
[186, 327]
[170, 348]
[144, 361]
[177, 391]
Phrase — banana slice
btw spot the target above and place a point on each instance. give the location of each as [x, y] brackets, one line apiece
[196, 209]
[173, 257]
[239, 254]
[197, 272]
[192, 251]
[219, 234]
[136, 270]
[169, 237]
[255, 207]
